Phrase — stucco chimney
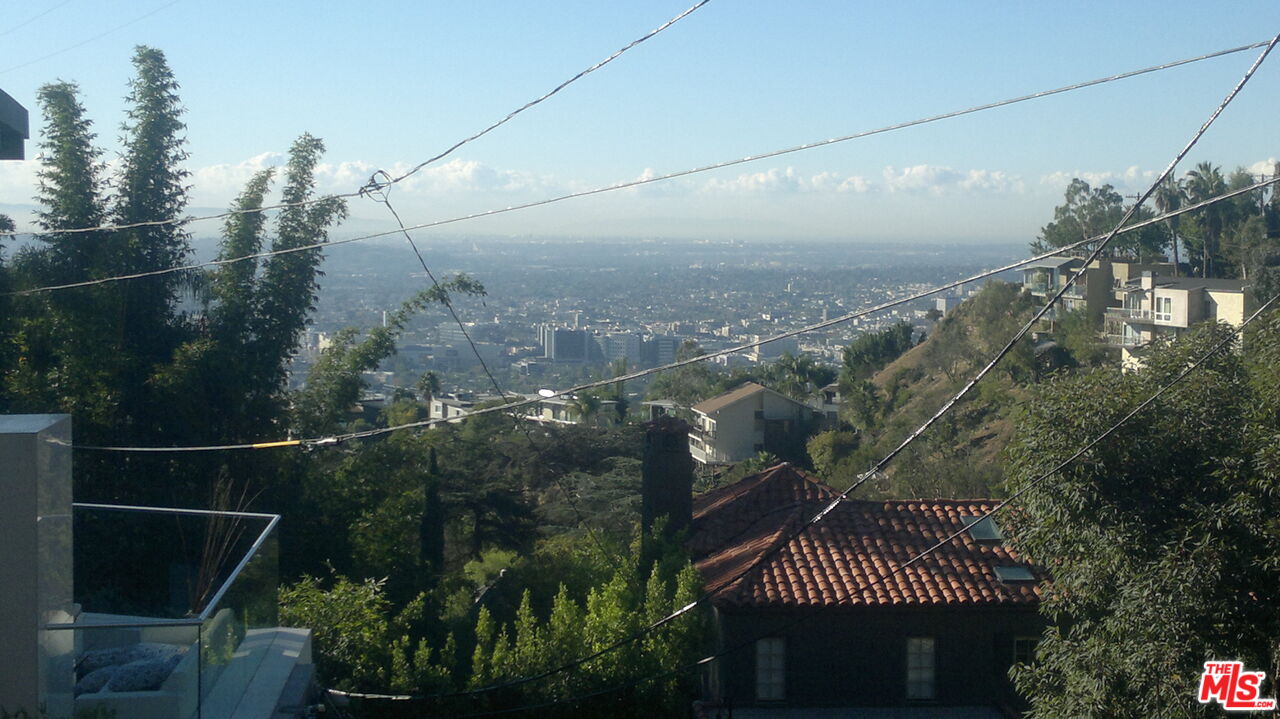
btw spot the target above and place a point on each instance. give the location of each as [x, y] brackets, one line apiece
[666, 488]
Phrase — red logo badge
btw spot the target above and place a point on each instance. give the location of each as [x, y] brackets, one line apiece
[1235, 689]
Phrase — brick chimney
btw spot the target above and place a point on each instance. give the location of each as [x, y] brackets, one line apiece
[666, 475]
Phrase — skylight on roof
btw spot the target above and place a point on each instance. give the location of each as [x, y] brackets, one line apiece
[1014, 574]
[982, 529]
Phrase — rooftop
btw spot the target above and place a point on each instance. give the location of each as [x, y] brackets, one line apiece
[849, 558]
[715, 404]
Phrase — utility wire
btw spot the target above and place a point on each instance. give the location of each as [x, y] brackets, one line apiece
[875, 469]
[373, 182]
[614, 187]
[336, 439]
[25, 23]
[82, 43]
[381, 194]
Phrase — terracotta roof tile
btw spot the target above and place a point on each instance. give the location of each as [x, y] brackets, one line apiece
[849, 558]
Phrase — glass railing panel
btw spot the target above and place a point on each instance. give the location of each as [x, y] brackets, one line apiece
[238, 629]
[124, 666]
[156, 563]
[216, 573]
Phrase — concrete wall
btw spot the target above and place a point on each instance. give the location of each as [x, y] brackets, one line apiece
[1230, 307]
[35, 563]
[858, 657]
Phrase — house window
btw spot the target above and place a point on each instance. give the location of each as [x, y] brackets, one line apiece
[1164, 309]
[921, 668]
[1024, 649]
[771, 665]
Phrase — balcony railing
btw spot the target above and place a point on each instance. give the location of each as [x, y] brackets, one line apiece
[1128, 313]
[175, 610]
[1123, 340]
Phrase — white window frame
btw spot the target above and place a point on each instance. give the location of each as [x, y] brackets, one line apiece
[1163, 311]
[922, 668]
[771, 669]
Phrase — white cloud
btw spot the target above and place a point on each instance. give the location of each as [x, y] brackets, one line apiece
[938, 179]
[221, 183]
[17, 181]
[1262, 167]
[218, 185]
[786, 181]
[459, 175]
[1131, 178]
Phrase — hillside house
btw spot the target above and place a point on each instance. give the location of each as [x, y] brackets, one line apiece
[1097, 286]
[740, 424]
[1155, 306]
[825, 622]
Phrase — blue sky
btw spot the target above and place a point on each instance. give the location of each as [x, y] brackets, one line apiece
[389, 84]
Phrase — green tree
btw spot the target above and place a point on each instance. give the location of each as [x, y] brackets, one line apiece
[1085, 212]
[870, 352]
[1162, 543]
[1203, 183]
[1089, 212]
[1077, 332]
[1168, 198]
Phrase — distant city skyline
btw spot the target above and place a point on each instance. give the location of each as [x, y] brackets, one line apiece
[390, 85]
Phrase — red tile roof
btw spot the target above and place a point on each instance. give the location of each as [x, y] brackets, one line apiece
[848, 558]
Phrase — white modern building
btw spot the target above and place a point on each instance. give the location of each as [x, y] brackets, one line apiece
[1153, 306]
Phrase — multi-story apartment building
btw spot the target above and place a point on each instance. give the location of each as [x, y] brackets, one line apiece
[741, 423]
[1153, 306]
[1096, 288]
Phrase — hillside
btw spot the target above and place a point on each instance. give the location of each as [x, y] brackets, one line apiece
[960, 454]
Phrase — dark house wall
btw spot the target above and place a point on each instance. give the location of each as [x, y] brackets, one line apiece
[858, 657]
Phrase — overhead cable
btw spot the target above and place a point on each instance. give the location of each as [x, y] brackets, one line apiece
[609, 188]
[86, 41]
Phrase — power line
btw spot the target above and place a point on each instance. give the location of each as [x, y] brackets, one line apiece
[373, 183]
[878, 466]
[86, 41]
[372, 180]
[336, 439]
[617, 186]
[25, 23]
[1226, 342]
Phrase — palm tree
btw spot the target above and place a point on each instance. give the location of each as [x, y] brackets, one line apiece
[585, 407]
[428, 387]
[1204, 183]
[1169, 197]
